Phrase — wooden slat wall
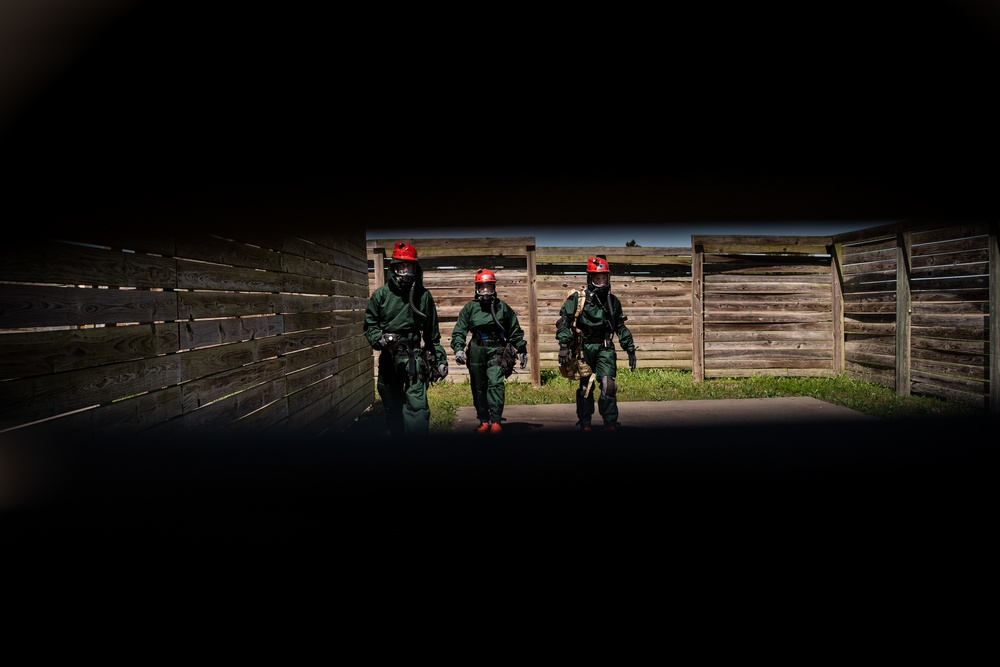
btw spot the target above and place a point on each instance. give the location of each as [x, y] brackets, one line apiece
[449, 266]
[767, 306]
[118, 336]
[869, 287]
[654, 285]
[949, 349]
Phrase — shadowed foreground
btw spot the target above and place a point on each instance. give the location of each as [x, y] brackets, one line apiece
[719, 490]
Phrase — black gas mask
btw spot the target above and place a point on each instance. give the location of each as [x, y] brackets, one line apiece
[405, 272]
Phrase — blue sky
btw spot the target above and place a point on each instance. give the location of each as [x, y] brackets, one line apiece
[645, 234]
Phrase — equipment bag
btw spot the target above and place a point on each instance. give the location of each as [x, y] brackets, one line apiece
[577, 367]
[508, 355]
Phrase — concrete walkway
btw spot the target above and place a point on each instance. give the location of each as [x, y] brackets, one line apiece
[637, 416]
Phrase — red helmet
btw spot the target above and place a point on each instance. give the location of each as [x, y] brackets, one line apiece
[486, 285]
[597, 265]
[404, 250]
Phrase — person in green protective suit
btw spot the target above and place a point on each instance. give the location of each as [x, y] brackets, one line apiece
[599, 319]
[492, 325]
[401, 322]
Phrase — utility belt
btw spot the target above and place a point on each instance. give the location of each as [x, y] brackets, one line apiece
[420, 363]
[488, 340]
[403, 342]
[598, 338]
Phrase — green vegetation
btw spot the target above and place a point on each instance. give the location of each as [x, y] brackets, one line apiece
[677, 385]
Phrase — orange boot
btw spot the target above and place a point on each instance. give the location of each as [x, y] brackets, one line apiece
[483, 427]
[495, 427]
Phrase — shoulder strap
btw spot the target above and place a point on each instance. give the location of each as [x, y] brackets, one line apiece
[580, 298]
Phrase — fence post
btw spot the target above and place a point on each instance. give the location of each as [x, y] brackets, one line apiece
[536, 373]
[697, 313]
[994, 254]
[379, 266]
[904, 312]
[837, 280]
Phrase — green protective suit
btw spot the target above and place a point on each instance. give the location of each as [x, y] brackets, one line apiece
[485, 344]
[599, 319]
[402, 370]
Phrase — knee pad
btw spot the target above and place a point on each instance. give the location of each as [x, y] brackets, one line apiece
[608, 386]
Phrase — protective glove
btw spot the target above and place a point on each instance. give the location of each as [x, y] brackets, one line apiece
[460, 358]
[381, 343]
[524, 359]
[443, 370]
[564, 355]
[631, 361]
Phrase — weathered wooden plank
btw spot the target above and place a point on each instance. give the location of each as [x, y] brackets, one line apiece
[925, 296]
[206, 276]
[976, 269]
[545, 253]
[137, 413]
[968, 385]
[946, 345]
[772, 372]
[430, 246]
[303, 377]
[227, 251]
[765, 247]
[739, 240]
[791, 271]
[319, 320]
[872, 234]
[299, 340]
[949, 393]
[714, 352]
[937, 233]
[201, 333]
[198, 305]
[70, 264]
[221, 413]
[978, 257]
[619, 261]
[763, 281]
[959, 250]
[949, 356]
[350, 407]
[955, 308]
[204, 389]
[872, 359]
[857, 260]
[268, 417]
[975, 320]
[885, 377]
[42, 352]
[27, 306]
[713, 316]
[977, 372]
[214, 359]
[39, 397]
[948, 331]
[821, 289]
[870, 282]
[129, 238]
[303, 303]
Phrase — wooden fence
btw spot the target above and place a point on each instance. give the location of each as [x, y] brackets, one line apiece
[921, 304]
[235, 334]
[911, 305]
[654, 285]
[199, 333]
